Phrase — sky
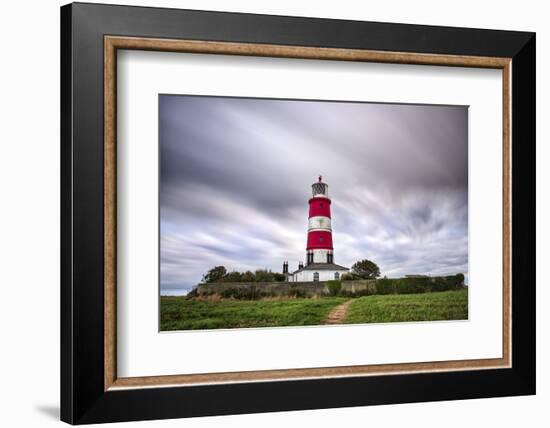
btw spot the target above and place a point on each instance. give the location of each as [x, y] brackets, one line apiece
[236, 175]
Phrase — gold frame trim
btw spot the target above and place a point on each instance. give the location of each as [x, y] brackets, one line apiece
[113, 43]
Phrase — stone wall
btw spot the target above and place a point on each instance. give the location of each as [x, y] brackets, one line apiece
[285, 288]
[273, 288]
[359, 286]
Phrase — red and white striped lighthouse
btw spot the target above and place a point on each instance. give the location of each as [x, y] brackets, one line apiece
[319, 234]
[320, 264]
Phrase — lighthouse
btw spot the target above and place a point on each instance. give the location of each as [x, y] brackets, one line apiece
[320, 264]
[319, 233]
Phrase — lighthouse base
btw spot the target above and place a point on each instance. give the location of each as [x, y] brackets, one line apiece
[314, 272]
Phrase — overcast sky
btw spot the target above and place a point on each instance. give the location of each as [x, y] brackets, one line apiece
[236, 176]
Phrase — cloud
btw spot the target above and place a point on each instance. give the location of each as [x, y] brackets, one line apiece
[236, 176]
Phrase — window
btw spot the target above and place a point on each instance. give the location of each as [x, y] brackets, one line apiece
[316, 277]
[336, 275]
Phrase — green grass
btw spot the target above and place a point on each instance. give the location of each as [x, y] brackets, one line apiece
[446, 305]
[178, 313]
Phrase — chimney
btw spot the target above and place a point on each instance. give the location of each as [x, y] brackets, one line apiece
[300, 265]
[285, 267]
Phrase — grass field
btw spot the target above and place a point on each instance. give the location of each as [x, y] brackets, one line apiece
[179, 313]
[445, 305]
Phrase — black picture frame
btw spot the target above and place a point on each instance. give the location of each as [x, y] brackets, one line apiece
[83, 398]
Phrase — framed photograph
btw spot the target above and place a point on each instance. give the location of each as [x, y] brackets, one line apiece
[266, 213]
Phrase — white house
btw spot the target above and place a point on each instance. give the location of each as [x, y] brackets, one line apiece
[318, 272]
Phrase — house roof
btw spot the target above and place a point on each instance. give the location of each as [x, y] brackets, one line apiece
[321, 266]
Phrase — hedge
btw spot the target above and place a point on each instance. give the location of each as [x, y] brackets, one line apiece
[419, 285]
[334, 287]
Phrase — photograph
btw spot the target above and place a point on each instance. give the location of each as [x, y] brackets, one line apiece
[290, 212]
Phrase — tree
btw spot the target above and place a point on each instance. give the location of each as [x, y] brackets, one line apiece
[215, 274]
[248, 277]
[263, 275]
[350, 276]
[279, 277]
[366, 269]
[233, 276]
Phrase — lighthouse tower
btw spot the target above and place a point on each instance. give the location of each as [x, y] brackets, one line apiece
[319, 233]
[320, 264]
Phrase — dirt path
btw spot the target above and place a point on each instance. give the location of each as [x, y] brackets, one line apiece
[338, 314]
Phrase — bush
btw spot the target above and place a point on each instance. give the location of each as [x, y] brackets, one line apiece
[419, 285]
[192, 294]
[279, 277]
[263, 275]
[214, 274]
[248, 277]
[439, 284]
[457, 281]
[453, 282]
[220, 274]
[231, 277]
[412, 285]
[334, 287]
[385, 286]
